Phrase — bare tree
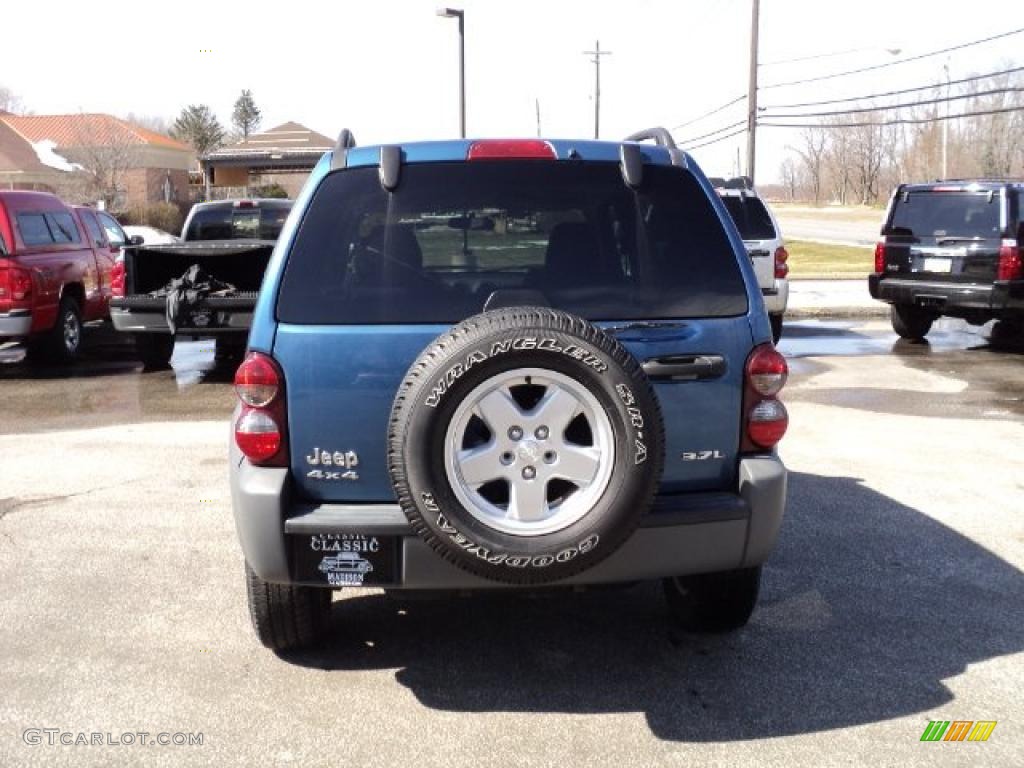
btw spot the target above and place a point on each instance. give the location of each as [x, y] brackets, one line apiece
[104, 151]
[812, 155]
[789, 177]
[10, 101]
[867, 144]
[155, 123]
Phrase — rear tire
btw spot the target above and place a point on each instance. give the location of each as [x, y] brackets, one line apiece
[286, 617]
[911, 322]
[1007, 333]
[154, 350]
[62, 343]
[713, 602]
[776, 321]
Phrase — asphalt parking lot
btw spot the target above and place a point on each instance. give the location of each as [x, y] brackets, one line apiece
[895, 597]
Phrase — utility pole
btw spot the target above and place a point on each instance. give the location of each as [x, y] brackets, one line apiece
[752, 92]
[597, 53]
[536, 103]
[945, 126]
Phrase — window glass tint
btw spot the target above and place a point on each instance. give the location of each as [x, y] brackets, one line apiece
[62, 227]
[230, 223]
[946, 214]
[95, 234]
[33, 229]
[751, 217]
[115, 235]
[453, 234]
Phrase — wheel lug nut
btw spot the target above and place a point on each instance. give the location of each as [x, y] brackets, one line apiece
[507, 458]
[550, 456]
[541, 433]
[529, 473]
[515, 433]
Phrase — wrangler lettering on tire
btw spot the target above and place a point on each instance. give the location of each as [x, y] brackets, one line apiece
[525, 444]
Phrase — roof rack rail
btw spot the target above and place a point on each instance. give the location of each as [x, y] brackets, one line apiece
[345, 142]
[660, 135]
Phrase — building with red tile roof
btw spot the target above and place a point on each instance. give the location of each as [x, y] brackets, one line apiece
[51, 151]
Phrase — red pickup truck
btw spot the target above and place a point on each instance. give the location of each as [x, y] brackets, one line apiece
[55, 271]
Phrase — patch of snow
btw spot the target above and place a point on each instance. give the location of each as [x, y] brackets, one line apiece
[45, 152]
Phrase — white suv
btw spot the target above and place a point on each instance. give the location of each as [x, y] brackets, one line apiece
[763, 240]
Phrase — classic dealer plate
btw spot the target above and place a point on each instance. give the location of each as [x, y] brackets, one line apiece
[345, 559]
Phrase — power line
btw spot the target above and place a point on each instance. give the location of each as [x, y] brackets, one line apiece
[897, 93]
[715, 141]
[890, 107]
[893, 51]
[894, 63]
[715, 111]
[900, 121]
[712, 133]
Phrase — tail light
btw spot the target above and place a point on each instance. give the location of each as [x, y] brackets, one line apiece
[880, 256]
[781, 257]
[1011, 266]
[15, 284]
[511, 149]
[117, 273]
[764, 417]
[261, 427]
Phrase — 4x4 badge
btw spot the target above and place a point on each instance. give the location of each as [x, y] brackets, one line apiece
[344, 461]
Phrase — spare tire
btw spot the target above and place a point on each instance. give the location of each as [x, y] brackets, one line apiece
[525, 445]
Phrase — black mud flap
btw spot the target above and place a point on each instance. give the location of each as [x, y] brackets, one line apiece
[345, 559]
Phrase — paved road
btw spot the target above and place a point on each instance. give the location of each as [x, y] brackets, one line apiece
[895, 597]
[845, 226]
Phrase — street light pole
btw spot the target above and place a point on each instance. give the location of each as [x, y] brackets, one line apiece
[458, 13]
[597, 53]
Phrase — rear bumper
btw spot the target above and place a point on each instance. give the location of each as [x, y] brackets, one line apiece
[142, 314]
[690, 533]
[776, 298]
[998, 299]
[15, 324]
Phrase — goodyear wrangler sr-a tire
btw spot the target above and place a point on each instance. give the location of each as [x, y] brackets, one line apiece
[525, 445]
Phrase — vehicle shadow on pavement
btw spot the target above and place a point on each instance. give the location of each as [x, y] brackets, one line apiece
[867, 607]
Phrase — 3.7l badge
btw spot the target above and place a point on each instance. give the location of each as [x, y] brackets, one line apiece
[344, 461]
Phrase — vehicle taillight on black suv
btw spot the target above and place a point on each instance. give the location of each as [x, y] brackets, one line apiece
[1011, 266]
[880, 256]
[764, 417]
[261, 428]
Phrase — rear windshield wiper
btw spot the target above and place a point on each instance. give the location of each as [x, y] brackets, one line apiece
[948, 240]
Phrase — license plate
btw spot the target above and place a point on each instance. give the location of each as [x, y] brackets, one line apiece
[934, 264]
[345, 559]
[201, 318]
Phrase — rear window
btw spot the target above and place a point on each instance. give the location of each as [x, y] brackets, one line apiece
[751, 217]
[946, 214]
[235, 223]
[34, 229]
[453, 234]
[62, 225]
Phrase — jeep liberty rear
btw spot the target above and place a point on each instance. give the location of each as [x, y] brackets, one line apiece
[500, 363]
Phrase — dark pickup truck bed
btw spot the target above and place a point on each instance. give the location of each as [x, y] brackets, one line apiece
[150, 269]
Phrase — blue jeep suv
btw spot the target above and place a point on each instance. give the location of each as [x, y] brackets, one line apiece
[507, 364]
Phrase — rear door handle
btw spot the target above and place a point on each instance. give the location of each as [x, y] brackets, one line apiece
[685, 367]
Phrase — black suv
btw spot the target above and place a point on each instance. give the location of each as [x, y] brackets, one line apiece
[951, 248]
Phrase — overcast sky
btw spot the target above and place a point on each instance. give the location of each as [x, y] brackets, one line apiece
[389, 70]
